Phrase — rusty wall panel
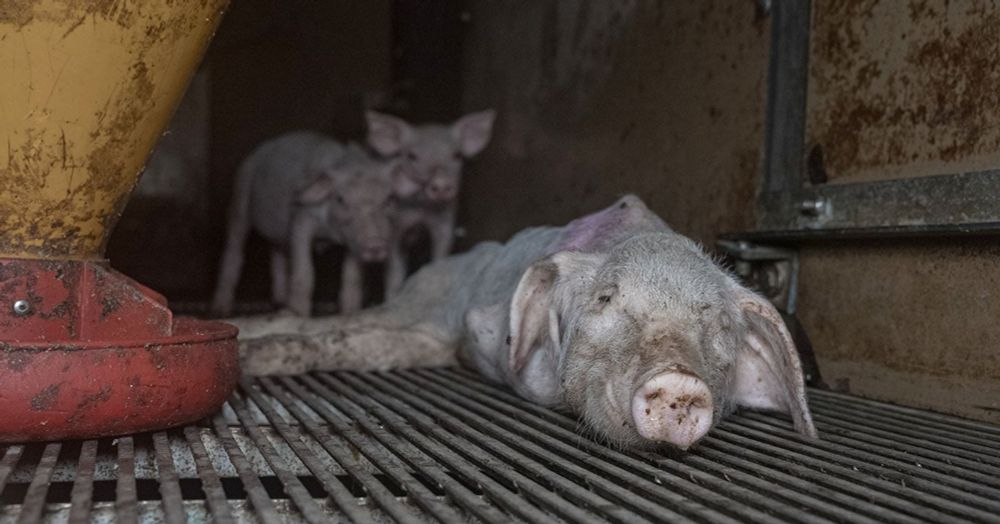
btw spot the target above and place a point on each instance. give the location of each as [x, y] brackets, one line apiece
[664, 99]
[909, 322]
[904, 88]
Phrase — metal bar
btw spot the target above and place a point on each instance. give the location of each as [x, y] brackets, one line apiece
[81, 498]
[477, 450]
[293, 486]
[858, 433]
[215, 495]
[388, 462]
[10, 459]
[337, 490]
[760, 466]
[919, 476]
[34, 500]
[266, 511]
[125, 496]
[170, 489]
[913, 442]
[837, 477]
[533, 457]
[944, 500]
[417, 492]
[790, 236]
[963, 478]
[672, 488]
[990, 449]
[918, 416]
[437, 451]
[717, 485]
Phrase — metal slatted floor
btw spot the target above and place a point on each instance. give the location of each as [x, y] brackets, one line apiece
[438, 445]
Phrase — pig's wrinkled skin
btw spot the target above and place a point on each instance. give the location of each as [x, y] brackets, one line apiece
[615, 316]
[300, 187]
[434, 155]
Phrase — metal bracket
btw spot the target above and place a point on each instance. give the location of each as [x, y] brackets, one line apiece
[771, 271]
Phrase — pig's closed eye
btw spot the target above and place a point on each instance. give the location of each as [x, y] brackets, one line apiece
[339, 199]
[410, 155]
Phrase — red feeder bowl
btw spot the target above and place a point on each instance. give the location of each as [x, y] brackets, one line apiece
[87, 352]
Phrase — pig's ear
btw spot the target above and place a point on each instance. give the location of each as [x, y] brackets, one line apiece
[387, 134]
[768, 371]
[472, 132]
[534, 318]
[317, 192]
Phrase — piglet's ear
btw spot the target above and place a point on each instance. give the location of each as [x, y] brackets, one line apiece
[768, 371]
[473, 131]
[317, 192]
[387, 134]
[534, 317]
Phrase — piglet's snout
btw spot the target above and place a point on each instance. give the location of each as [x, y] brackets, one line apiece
[374, 251]
[673, 407]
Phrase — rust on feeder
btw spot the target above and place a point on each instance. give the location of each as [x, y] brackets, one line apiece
[88, 86]
[85, 351]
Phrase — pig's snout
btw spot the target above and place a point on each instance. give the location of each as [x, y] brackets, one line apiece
[673, 407]
[374, 251]
[441, 191]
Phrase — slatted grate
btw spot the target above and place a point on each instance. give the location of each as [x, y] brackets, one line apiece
[431, 445]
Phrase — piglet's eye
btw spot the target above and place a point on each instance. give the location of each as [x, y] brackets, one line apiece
[340, 199]
[456, 155]
[604, 299]
[410, 155]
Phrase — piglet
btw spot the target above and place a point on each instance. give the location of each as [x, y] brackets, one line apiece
[614, 316]
[434, 155]
[299, 187]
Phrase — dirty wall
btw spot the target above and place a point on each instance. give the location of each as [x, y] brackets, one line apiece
[667, 100]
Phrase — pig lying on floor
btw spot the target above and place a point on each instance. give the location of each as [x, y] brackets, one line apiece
[614, 315]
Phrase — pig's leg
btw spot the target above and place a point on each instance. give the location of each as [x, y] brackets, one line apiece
[395, 269]
[279, 276]
[350, 284]
[300, 253]
[442, 233]
[236, 235]
[349, 343]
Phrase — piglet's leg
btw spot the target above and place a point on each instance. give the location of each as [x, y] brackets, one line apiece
[350, 285]
[395, 269]
[303, 275]
[442, 233]
[279, 277]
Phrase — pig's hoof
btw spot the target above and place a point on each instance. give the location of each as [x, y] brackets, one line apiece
[673, 407]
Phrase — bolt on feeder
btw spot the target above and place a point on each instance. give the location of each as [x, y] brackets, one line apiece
[87, 89]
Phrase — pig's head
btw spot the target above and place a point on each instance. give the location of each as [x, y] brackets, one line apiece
[651, 342]
[358, 201]
[434, 154]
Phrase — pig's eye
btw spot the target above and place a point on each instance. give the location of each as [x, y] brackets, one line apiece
[456, 155]
[410, 155]
[604, 299]
[340, 200]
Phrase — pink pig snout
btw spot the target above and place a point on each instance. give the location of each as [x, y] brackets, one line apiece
[673, 407]
[374, 251]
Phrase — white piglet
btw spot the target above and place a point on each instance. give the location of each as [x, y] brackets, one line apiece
[300, 187]
[434, 155]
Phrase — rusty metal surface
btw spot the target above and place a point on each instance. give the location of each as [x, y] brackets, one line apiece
[72, 390]
[903, 89]
[87, 88]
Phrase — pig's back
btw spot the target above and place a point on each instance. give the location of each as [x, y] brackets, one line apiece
[279, 169]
